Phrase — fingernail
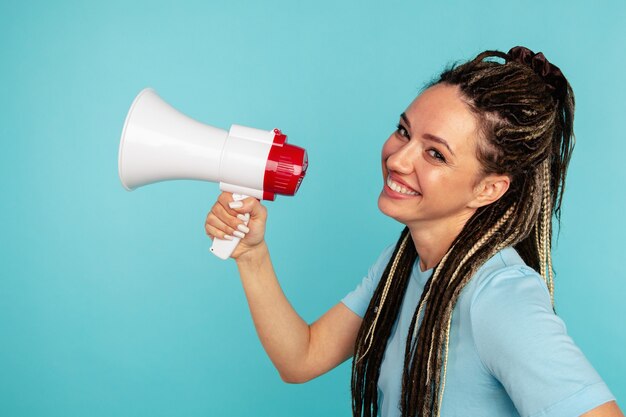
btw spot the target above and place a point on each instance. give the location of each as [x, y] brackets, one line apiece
[243, 228]
[228, 237]
[235, 204]
[242, 217]
[239, 234]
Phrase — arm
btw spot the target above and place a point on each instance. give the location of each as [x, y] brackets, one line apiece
[609, 409]
[298, 351]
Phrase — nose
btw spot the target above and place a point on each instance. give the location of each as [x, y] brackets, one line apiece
[400, 159]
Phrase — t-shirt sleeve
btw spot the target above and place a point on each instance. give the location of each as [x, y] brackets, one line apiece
[359, 298]
[525, 346]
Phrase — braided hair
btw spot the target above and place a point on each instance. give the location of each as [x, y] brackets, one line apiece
[524, 108]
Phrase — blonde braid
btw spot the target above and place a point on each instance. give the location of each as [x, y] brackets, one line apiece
[537, 232]
[426, 297]
[435, 275]
[470, 273]
[370, 332]
[546, 230]
[468, 255]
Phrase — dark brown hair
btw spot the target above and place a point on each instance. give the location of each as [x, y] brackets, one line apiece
[526, 132]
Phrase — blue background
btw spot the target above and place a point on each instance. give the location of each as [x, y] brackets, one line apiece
[110, 302]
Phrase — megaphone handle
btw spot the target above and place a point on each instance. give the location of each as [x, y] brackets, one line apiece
[223, 248]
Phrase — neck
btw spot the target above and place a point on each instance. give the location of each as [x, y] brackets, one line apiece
[433, 239]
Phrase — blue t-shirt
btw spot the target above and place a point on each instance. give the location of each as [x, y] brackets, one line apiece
[508, 354]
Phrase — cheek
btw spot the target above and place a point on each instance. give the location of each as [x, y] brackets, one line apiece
[447, 186]
[387, 150]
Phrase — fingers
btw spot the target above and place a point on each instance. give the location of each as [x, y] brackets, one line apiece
[249, 207]
[220, 223]
[224, 199]
[242, 219]
[215, 228]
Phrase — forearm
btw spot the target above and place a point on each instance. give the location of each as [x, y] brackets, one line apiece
[283, 333]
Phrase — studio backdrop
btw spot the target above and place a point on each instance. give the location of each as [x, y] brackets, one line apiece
[111, 303]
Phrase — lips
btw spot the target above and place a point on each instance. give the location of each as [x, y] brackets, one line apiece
[400, 186]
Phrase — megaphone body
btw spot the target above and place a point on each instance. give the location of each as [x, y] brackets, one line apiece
[159, 143]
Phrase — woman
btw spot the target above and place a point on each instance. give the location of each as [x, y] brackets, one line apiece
[457, 317]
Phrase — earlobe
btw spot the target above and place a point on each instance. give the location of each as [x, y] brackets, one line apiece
[490, 189]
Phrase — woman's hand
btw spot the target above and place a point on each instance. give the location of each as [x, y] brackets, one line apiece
[226, 218]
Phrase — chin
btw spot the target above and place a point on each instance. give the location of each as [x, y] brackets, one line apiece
[387, 209]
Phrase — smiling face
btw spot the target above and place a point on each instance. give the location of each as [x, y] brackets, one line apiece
[430, 170]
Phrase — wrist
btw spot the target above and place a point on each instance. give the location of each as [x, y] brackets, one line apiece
[254, 256]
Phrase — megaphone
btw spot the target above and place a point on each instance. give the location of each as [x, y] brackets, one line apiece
[159, 143]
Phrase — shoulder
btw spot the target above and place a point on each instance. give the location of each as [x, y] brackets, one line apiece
[507, 275]
[505, 297]
[524, 344]
[358, 299]
[508, 296]
[376, 270]
[510, 312]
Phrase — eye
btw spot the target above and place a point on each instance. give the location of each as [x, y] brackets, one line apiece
[436, 154]
[402, 131]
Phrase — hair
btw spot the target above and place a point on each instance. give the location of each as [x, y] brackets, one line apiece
[526, 132]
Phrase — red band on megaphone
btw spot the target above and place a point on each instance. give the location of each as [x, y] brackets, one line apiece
[285, 168]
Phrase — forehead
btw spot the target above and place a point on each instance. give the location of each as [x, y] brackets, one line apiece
[441, 111]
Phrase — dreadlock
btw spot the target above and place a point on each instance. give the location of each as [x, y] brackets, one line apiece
[526, 132]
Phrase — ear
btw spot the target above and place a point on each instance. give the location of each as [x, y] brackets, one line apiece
[490, 189]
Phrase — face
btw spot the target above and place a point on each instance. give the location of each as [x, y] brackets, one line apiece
[429, 164]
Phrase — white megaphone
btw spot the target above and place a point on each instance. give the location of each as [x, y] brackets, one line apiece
[159, 143]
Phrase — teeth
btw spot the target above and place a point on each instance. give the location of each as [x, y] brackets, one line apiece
[399, 188]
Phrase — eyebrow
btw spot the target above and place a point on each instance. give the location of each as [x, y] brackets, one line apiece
[428, 136]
